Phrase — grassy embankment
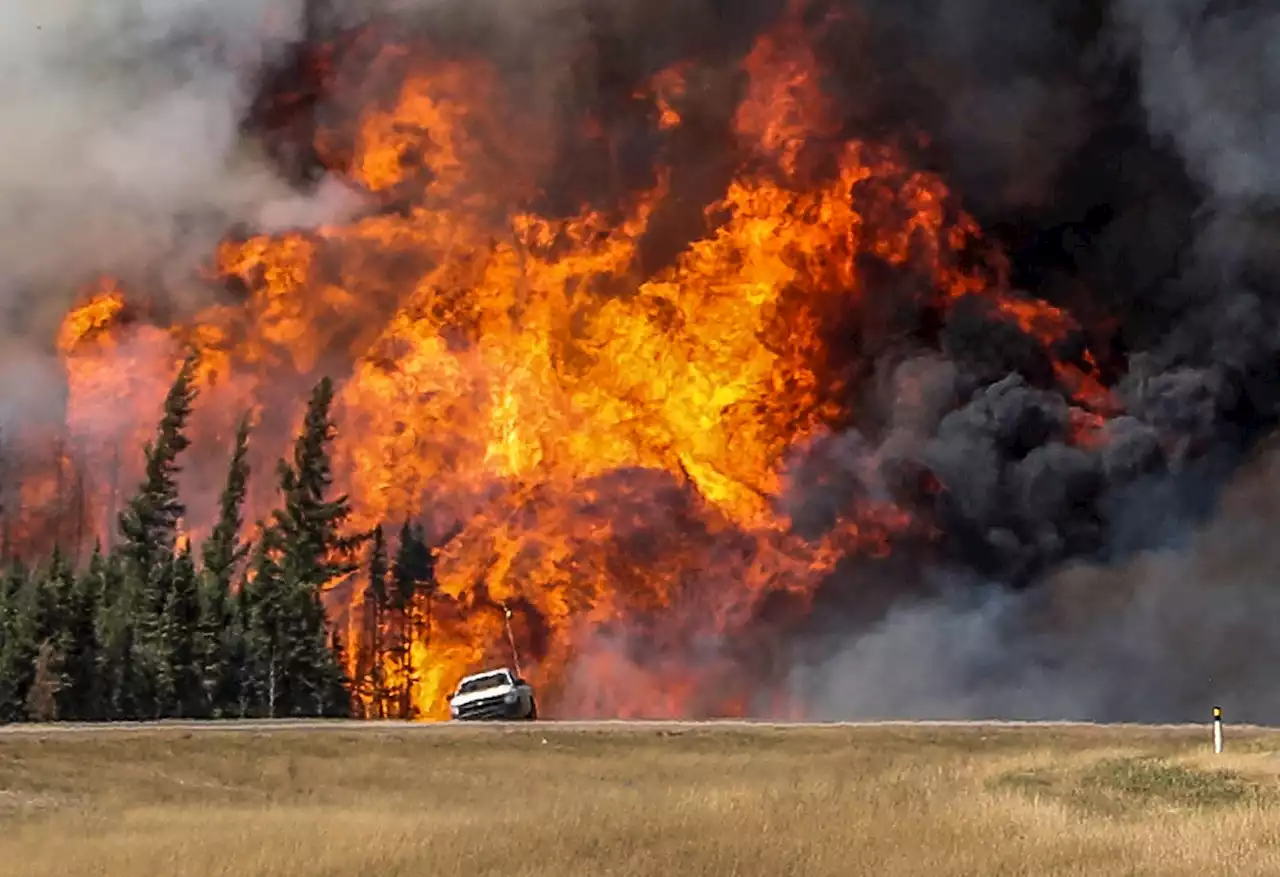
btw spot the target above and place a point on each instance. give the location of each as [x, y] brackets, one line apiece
[540, 800]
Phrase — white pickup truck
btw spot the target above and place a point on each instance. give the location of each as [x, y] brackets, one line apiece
[494, 694]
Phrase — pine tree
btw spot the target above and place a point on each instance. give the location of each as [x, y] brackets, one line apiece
[149, 523]
[81, 698]
[413, 585]
[310, 524]
[149, 526]
[239, 670]
[118, 673]
[218, 645]
[18, 643]
[145, 632]
[223, 551]
[179, 619]
[370, 680]
[158, 688]
[333, 694]
[313, 553]
[265, 609]
[6, 543]
[53, 592]
[8, 593]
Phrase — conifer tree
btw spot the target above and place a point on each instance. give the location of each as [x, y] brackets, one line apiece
[118, 672]
[333, 695]
[18, 642]
[310, 524]
[149, 523]
[154, 687]
[46, 606]
[218, 645]
[223, 550]
[370, 680]
[413, 583]
[180, 616]
[266, 632]
[53, 589]
[313, 553]
[8, 591]
[239, 672]
[6, 546]
[149, 526]
[82, 696]
[145, 631]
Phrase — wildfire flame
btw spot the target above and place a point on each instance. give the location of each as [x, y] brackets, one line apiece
[607, 450]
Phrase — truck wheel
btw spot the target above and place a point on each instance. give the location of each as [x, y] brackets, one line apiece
[533, 710]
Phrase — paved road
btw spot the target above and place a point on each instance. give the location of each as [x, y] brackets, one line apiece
[320, 726]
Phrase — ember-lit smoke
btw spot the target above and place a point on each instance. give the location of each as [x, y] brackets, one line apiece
[763, 358]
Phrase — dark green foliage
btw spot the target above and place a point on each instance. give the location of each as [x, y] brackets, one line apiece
[118, 675]
[370, 681]
[219, 640]
[292, 663]
[77, 641]
[414, 572]
[153, 629]
[314, 551]
[413, 582]
[149, 523]
[224, 550]
[19, 641]
[47, 683]
[182, 667]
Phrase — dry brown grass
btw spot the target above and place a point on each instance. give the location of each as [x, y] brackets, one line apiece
[889, 801]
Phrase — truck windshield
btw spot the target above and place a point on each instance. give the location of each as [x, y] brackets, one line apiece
[483, 683]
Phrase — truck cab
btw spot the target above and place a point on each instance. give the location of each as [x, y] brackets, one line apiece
[493, 695]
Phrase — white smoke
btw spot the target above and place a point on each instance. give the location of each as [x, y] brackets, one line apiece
[122, 152]
[121, 135]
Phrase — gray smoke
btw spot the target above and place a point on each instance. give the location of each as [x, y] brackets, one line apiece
[1140, 621]
[1211, 82]
[1160, 638]
[122, 151]
[123, 120]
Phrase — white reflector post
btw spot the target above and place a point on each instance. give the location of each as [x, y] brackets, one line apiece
[1217, 729]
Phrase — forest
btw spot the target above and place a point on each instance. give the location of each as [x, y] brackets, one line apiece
[156, 629]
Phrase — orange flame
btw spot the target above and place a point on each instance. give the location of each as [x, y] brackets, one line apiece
[611, 449]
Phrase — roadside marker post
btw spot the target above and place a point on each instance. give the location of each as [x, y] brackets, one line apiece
[1217, 730]
[511, 638]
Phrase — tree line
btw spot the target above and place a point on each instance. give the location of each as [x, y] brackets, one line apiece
[153, 629]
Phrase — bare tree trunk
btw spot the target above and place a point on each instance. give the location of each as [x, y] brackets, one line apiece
[406, 651]
[377, 652]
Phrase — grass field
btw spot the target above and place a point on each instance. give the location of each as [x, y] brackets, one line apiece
[541, 800]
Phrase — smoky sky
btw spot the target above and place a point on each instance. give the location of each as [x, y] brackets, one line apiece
[1124, 155]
